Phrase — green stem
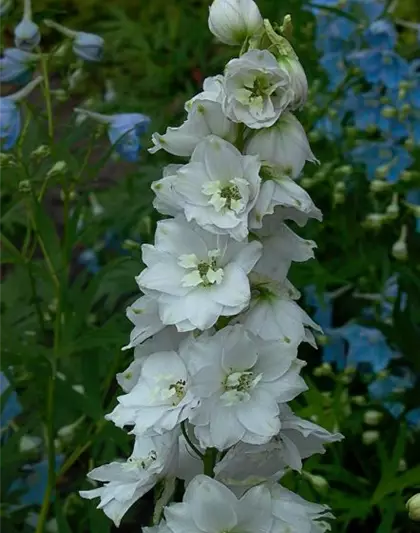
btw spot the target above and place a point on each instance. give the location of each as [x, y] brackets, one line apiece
[209, 461]
[190, 443]
[47, 95]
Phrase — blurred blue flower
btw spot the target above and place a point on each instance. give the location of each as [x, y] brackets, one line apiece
[333, 64]
[10, 408]
[413, 417]
[334, 349]
[368, 9]
[381, 34]
[10, 123]
[366, 346]
[383, 387]
[377, 154]
[34, 482]
[89, 259]
[88, 46]
[124, 132]
[335, 34]
[16, 66]
[381, 66]
[413, 197]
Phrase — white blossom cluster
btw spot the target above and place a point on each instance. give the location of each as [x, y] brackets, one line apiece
[217, 330]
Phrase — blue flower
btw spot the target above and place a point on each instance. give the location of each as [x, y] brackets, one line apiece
[16, 66]
[335, 34]
[88, 46]
[413, 417]
[11, 408]
[381, 66]
[334, 349]
[368, 9]
[124, 132]
[381, 34]
[377, 154]
[366, 346]
[27, 34]
[34, 483]
[10, 123]
[89, 259]
[383, 388]
[413, 197]
[333, 64]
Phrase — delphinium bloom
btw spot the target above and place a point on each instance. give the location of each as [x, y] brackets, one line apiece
[217, 329]
[87, 46]
[27, 34]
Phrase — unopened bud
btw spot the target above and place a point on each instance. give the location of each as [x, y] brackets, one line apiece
[379, 185]
[359, 400]
[371, 128]
[41, 152]
[399, 248]
[319, 483]
[7, 160]
[402, 465]
[372, 418]
[67, 432]
[413, 507]
[409, 144]
[382, 171]
[60, 95]
[29, 444]
[374, 221]
[339, 198]
[314, 136]
[323, 370]
[129, 244]
[232, 21]
[369, 437]
[393, 209]
[389, 112]
[78, 388]
[307, 183]
[59, 168]
[409, 175]
[25, 186]
[97, 208]
[287, 27]
[340, 186]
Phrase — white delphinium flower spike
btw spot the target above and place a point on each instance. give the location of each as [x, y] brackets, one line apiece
[196, 276]
[217, 189]
[240, 383]
[257, 89]
[126, 482]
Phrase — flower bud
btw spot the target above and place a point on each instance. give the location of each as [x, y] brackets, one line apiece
[369, 437]
[41, 152]
[232, 21]
[338, 198]
[379, 185]
[393, 209]
[298, 80]
[413, 507]
[29, 444]
[129, 244]
[374, 220]
[402, 465]
[97, 208]
[399, 248]
[372, 418]
[283, 145]
[382, 171]
[409, 175]
[359, 400]
[7, 160]
[323, 370]
[25, 186]
[59, 168]
[409, 144]
[16, 66]
[27, 34]
[78, 388]
[88, 46]
[389, 112]
[67, 432]
[319, 483]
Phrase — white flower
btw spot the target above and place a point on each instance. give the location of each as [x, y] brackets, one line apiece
[167, 201]
[143, 313]
[210, 507]
[196, 276]
[281, 246]
[240, 383]
[282, 191]
[246, 465]
[293, 514]
[273, 314]
[160, 528]
[126, 482]
[257, 89]
[284, 146]
[217, 189]
[161, 398]
[204, 118]
[298, 80]
[213, 90]
[301, 438]
[232, 21]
